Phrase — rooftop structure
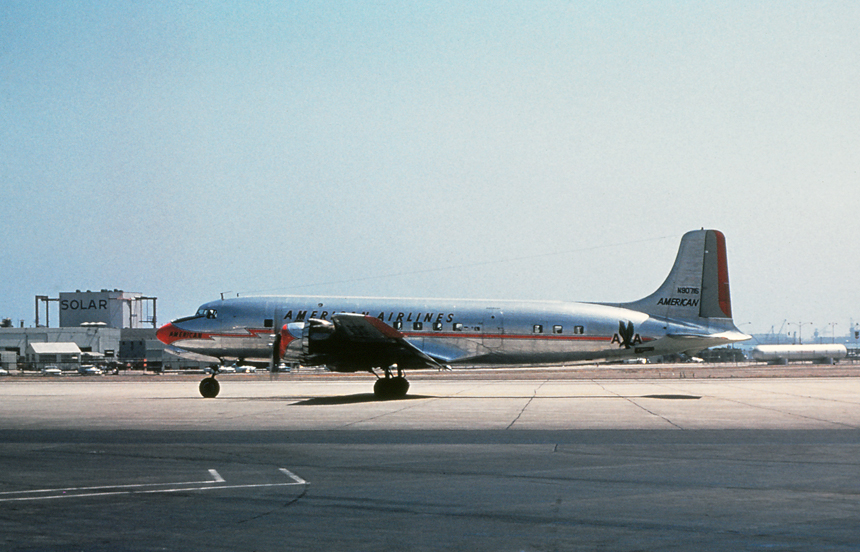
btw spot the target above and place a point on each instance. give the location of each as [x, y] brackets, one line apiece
[111, 309]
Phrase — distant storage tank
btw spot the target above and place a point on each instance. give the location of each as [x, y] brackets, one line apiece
[781, 354]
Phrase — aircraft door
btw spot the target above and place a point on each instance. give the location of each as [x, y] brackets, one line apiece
[493, 328]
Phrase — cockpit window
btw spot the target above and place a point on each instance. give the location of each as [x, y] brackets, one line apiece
[207, 313]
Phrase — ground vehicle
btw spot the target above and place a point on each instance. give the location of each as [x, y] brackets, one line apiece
[89, 370]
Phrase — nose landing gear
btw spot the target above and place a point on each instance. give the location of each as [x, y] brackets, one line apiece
[209, 387]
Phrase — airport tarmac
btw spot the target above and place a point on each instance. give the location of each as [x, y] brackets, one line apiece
[465, 462]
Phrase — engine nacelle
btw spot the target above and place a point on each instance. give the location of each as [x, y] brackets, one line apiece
[305, 342]
[344, 346]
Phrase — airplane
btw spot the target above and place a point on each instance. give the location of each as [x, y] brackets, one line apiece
[689, 312]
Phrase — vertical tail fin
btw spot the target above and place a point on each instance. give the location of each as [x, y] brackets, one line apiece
[697, 287]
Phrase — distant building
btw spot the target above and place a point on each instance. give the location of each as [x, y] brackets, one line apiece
[106, 328]
[111, 309]
[26, 342]
[114, 309]
[8, 360]
[65, 356]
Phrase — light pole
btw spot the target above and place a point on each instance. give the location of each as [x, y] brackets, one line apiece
[799, 330]
[833, 330]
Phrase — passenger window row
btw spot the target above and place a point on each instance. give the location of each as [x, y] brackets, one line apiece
[459, 327]
[558, 329]
[437, 326]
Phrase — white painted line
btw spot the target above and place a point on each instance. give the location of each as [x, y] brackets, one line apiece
[77, 489]
[144, 488]
[294, 477]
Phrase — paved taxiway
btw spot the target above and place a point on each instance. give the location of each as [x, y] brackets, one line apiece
[463, 462]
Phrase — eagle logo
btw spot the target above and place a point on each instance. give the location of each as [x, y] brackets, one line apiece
[626, 336]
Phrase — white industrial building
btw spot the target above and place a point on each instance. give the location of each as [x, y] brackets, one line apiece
[64, 356]
[108, 327]
[113, 328]
[110, 308]
[27, 344]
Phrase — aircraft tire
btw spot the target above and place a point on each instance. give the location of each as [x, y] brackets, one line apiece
[209, 388]
[380, 388]
[400, 386]
[391, 388]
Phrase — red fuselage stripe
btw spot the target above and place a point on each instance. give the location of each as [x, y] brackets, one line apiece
[256, 333]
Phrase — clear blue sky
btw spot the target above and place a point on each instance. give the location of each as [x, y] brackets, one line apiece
[511, 150]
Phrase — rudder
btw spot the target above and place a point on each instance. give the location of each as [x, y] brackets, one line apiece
[716, 300]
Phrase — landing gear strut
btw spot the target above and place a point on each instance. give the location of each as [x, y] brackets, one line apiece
[209, 387]
[391, 387]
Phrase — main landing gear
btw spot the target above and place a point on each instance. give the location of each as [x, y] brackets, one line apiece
[391, 387]
[385, 388]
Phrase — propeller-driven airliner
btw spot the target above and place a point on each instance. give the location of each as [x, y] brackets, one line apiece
[689, 312]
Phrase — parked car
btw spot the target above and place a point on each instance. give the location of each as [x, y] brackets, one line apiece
[220, 370]
[89, 370]
[51, 371]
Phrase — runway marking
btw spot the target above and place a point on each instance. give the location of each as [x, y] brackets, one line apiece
[142, 488]
[294, 477]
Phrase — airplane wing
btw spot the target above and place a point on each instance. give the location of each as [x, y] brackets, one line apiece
[362, 342]
[188, 355]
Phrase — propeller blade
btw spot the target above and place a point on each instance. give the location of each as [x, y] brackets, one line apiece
[276, 352]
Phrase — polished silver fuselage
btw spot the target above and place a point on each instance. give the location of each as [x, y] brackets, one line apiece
[689, 312]
[453, 331]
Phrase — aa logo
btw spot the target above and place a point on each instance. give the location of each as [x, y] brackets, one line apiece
[626, 336]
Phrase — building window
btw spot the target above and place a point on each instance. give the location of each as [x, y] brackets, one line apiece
[538, 328]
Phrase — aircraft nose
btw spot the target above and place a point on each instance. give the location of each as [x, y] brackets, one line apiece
[167, 333]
